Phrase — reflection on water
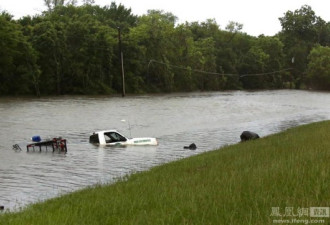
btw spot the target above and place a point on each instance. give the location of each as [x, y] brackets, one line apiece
[210, 120]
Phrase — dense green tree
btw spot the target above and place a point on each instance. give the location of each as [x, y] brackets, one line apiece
[301, 30]
[231, 47]
[49, 41]
[77, 51]
[203, 60]
[203, 54]
[185, 77]
[318, 72]
[19, 72]
[73, 49]
[152, 38]
[265, 59]
[255, 62]
[89, 56]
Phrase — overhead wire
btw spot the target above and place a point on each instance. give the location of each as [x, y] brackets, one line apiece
[215, 73]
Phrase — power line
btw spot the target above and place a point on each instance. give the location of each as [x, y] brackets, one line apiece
[215, 73]
[268, 73]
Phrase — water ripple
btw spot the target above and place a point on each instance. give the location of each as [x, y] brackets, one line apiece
[209, 120]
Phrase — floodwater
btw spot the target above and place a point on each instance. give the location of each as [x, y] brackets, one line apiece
[210, 120]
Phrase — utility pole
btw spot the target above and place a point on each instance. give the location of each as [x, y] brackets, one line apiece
[121, 61]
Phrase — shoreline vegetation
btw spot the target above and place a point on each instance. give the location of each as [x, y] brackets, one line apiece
[246, 183]
[73, 49]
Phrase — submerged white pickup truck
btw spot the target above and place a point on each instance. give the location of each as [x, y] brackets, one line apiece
[113, 138]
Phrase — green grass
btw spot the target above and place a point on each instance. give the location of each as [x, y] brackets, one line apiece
[238, 184]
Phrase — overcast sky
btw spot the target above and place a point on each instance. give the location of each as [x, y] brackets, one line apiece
[257, 16]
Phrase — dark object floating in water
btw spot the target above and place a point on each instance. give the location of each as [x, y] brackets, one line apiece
[2, 207]
[16, 147]
[55, 143]
[249, 135]
[191, 146]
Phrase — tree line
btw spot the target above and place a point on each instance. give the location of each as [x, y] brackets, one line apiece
[72, 49]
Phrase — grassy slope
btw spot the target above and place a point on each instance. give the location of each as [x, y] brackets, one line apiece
[238, 184]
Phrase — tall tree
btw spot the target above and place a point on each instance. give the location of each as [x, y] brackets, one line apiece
[52, 4]
[152, 38]
[255, 62]
[300, 32]
[50, 43]
[19, 72]
[318, 72]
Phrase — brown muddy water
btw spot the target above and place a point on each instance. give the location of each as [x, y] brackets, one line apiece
[210, 120]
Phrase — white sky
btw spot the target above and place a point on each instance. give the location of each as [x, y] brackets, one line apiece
[257, 16]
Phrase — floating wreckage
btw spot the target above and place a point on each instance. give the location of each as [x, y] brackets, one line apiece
[56, 144]
[191, 146]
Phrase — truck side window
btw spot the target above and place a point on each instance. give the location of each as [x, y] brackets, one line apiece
[113, 137]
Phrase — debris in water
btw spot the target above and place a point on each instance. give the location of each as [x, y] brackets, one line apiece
[191, 146]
